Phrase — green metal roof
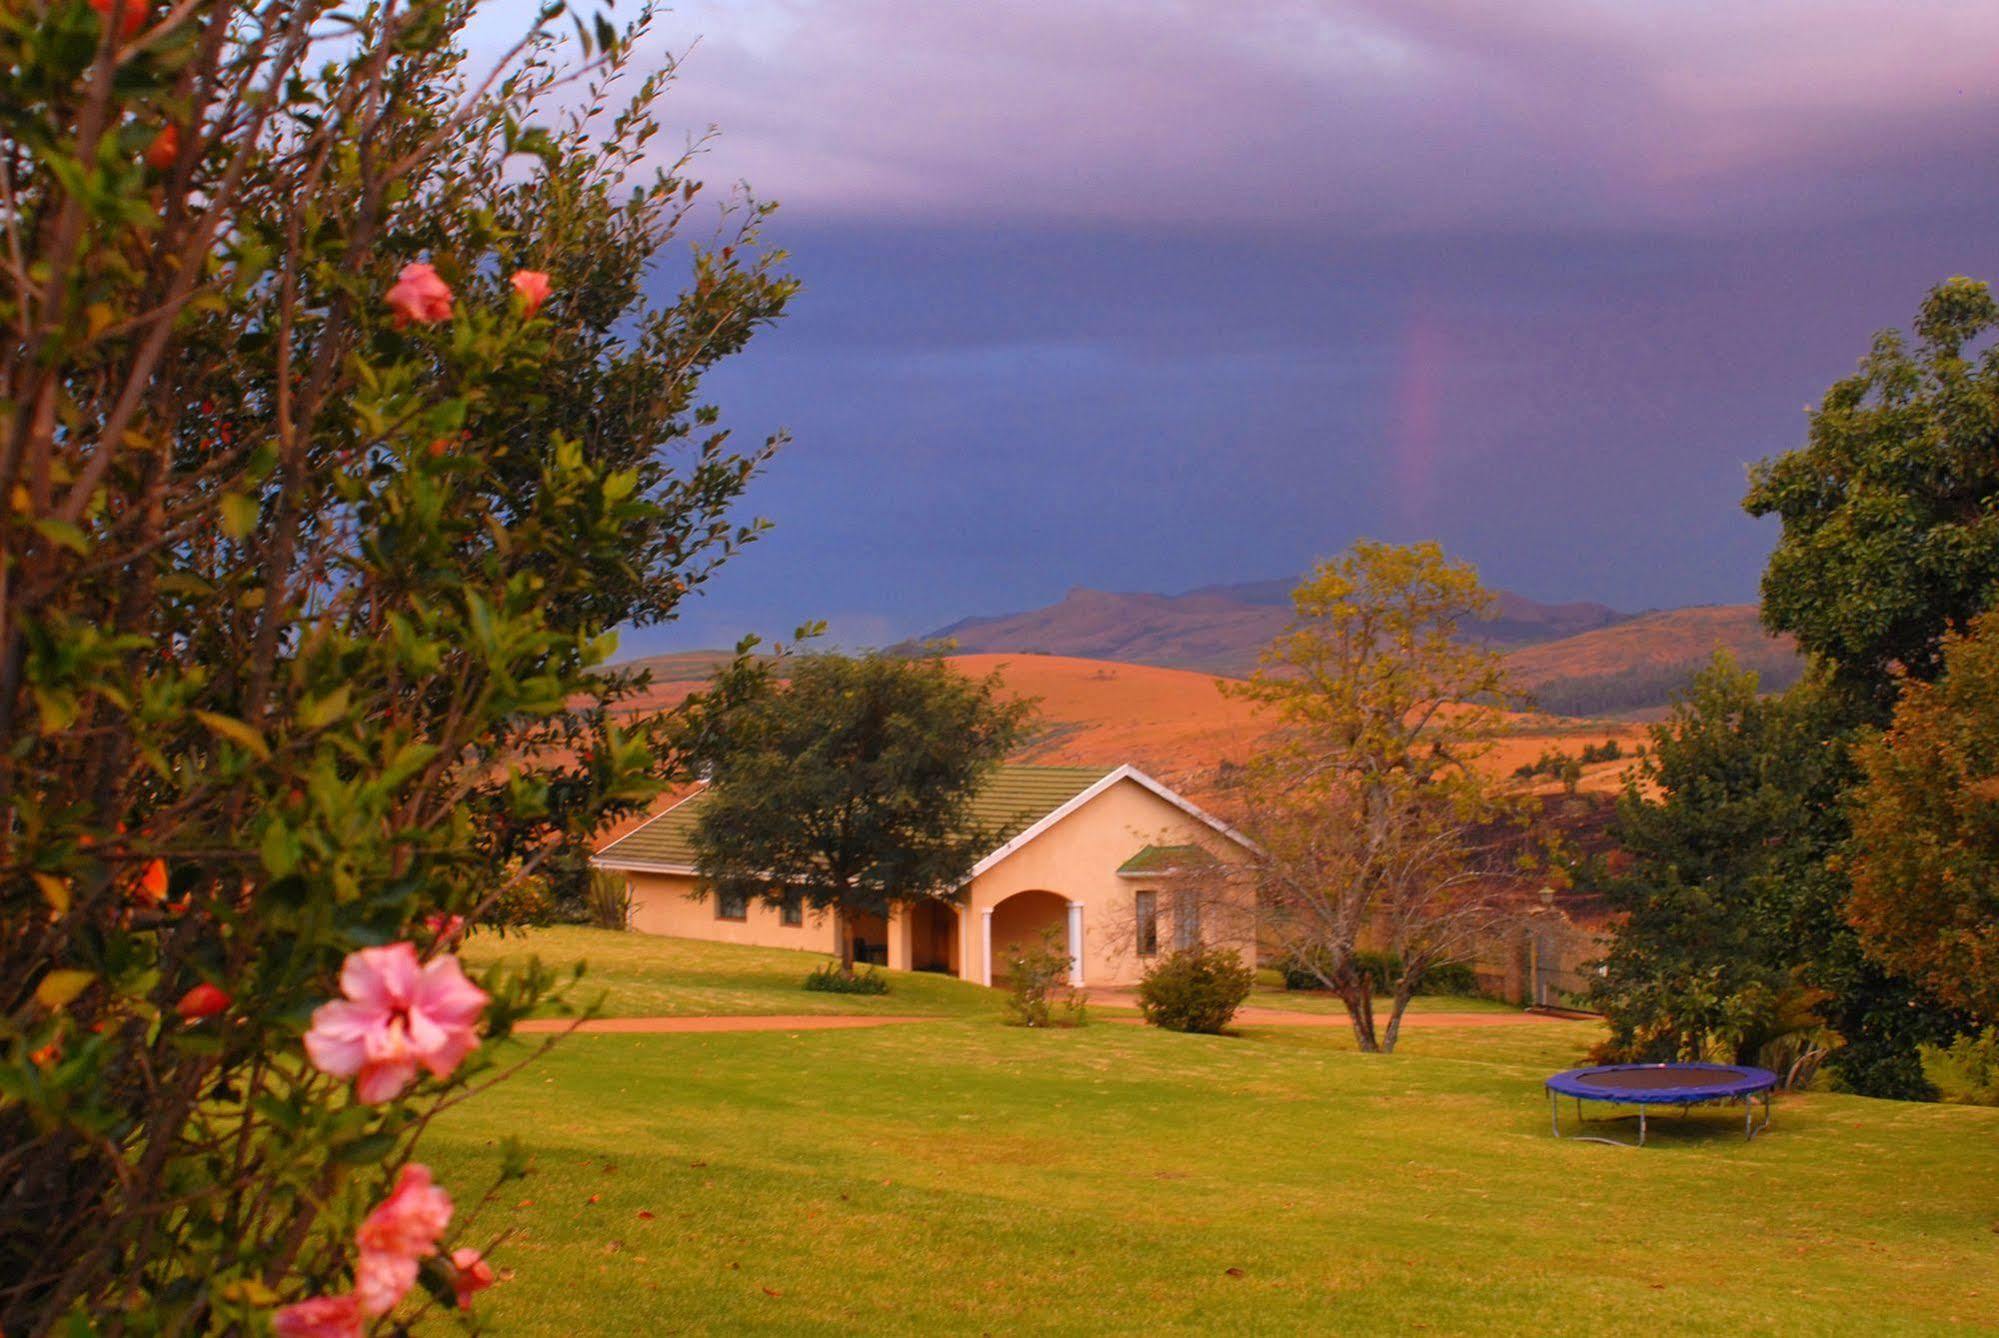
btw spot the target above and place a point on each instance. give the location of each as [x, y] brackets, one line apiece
[1166, 859]
[1014, 799]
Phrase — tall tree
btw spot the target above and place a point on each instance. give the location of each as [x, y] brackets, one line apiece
[1373, 817]
[1890, 542]
[848, 783]
[1890, 537]
[1924, 857]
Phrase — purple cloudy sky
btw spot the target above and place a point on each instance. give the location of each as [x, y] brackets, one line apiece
[1146, 295]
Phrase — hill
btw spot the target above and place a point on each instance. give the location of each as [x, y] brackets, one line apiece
[1185, 729]
[1216, 629]
[1173, 724]
[1638, 664]
[1178, 725]
[1578, 658]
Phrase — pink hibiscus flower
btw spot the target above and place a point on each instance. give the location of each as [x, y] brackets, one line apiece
[382, 1280]
[420, 296]
[532, 285]
[409, 1221]
[320, 1317]
[469, 1273]
[398, 1013]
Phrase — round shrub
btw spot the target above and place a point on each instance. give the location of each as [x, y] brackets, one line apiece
[1196, 989]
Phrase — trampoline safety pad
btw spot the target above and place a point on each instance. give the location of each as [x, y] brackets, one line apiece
[1646, 1085]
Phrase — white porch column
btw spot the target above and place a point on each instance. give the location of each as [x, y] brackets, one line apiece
[986, 946]
[901, 924]
[1075, 945]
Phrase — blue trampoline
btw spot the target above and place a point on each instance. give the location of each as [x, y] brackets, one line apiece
[1647, 1085]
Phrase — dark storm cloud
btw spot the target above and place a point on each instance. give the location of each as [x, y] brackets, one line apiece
[1373, 116]
[1150, 295]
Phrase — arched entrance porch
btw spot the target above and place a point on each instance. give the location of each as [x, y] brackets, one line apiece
[1018, 921]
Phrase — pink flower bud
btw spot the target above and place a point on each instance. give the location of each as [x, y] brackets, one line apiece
[533, 287]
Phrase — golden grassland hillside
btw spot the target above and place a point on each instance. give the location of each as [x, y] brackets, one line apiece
[1635, 666]
[1178, 725]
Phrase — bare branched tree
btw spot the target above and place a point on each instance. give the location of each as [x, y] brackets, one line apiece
[1378, 829]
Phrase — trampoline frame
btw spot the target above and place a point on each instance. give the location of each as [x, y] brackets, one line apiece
[1754, 1082]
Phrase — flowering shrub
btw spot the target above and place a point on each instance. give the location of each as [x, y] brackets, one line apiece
[337, 431]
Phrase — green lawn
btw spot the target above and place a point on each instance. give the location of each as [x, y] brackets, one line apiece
[640, 975]
[958, 1176]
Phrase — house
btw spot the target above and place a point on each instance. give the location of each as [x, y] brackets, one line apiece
[1094, 853]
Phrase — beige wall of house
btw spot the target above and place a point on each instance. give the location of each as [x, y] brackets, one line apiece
[1077, 860]
[674, 904]
[1072, 862]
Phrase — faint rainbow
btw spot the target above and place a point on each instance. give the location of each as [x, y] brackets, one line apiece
[1416, 410]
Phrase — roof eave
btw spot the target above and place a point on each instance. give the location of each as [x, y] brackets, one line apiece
[642, 866]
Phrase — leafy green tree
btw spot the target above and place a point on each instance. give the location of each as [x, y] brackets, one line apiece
[1924, 855]
[1889, 544]
[1733, 904]
[331, 437]
[847, 783]
[1373, 817]
[1890, 539]
[1710, 821]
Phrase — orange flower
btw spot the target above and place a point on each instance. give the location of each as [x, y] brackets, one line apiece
[533, 287]
[152, 884]
[132, 18]
[204, 1000]
[165, 149]
[47, 1055]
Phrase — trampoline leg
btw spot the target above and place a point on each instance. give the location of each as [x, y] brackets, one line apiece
[1641, 1126]
[1749, 1128]
[1555, 1112]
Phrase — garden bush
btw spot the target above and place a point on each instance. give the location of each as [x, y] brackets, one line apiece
[1036, 983]
[830, 979]
[342, 431]
[1457, 979]
[1195, 989]
[608, 903]
[1967, 1070]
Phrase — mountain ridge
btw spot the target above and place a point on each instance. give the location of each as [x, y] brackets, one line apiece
[1219, 628]
[1577, 657]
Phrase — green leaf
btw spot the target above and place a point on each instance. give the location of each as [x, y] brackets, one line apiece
[239, 514]
[55, 891]
[58, 988]
[235, 731]
[63, 534]
[321, 711]
[365, 1150]
[278, 850]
